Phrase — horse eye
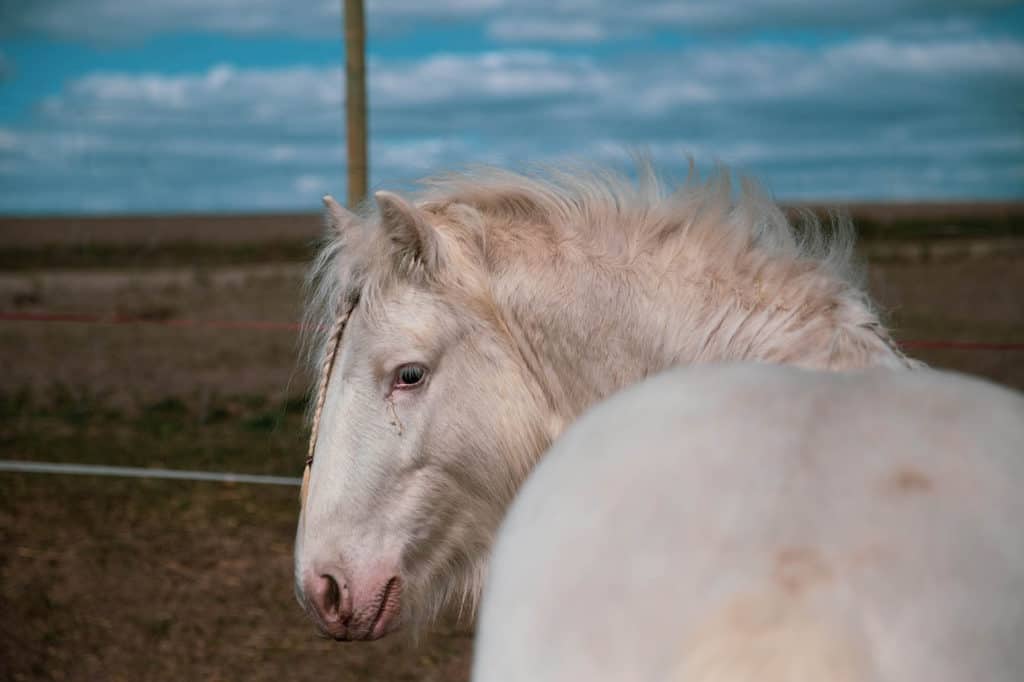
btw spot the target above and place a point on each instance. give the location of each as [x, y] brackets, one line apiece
[410, 375]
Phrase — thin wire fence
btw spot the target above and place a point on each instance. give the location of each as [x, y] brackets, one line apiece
[32, 467]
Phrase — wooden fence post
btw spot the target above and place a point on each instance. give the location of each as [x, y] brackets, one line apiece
[355, 100]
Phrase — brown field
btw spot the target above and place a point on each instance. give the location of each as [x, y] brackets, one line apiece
[150, 230]
[135, 580]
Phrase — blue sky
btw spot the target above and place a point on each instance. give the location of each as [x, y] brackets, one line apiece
[109, 106]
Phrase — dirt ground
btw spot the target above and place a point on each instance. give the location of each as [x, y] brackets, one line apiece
[148, 231]
[138, 580]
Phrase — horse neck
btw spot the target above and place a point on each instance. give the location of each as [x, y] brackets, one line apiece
[586, 330]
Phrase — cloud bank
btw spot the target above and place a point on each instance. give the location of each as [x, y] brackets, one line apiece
[905, 114]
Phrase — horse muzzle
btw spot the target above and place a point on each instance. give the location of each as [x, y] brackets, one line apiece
[352, 611]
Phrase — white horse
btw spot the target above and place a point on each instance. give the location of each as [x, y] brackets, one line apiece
[759, 522]
[471, 326]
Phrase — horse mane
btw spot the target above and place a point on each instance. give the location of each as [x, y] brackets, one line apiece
[648, 214]
[725, 232]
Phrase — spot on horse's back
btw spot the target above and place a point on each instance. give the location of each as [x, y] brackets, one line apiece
[799, 569]
[907, 481]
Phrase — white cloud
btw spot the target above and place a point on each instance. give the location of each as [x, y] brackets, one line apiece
[511, 29]
[419, 157]
[489, 75]
[937, 57]
[307, 184]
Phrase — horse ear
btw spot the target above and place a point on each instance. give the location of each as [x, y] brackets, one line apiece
[339, 218]
[413, 237]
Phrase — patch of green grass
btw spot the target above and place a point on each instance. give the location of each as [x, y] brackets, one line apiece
[230, 433]
[262, 422]
[167, 407]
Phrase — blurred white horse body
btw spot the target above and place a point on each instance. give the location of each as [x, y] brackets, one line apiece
[488, 314]
[767, 523]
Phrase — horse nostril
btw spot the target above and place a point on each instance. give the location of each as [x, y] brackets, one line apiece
[331, 600]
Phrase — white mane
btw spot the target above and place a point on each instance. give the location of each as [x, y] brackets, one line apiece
[729, 245]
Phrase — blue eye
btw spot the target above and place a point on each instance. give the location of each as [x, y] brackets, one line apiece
[410, 375]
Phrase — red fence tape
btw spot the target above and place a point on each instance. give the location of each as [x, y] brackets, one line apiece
[294, 326]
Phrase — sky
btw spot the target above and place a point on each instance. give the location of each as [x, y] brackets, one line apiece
[179, 106]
